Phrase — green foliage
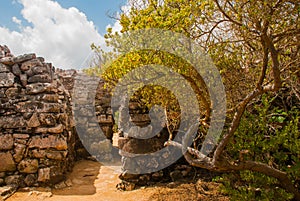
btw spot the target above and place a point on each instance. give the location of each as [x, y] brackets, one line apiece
[267, 134]
[269, 131]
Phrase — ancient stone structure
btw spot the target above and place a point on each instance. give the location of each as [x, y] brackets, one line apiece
[50, 117]
[37, 143]
[37, 133]
[92, 112]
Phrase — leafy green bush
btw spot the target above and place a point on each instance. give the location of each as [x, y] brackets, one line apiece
[269, 134]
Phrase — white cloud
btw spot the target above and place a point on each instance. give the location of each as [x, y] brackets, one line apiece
[62, 36]
[16, 20]
[116, 27]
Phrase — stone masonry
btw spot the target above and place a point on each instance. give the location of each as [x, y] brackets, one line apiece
[37, 145]
[37, 133]
[50, 117]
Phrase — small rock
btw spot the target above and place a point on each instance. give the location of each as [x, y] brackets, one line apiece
[40, 79]
[33, 121]
[7, 162]
[21, 136]
[39, 70]
[23, 79]
[44, 175]
[51, 141]
[128, 176]
[19, 152]
[7, 79]
[55, 155]
[38, 153]
[12, 93]
[14, 180]
[28, 166]
[30, 180]
[176, 175]
[36, 88]
[7, 142]
[56, 130]
[16, 70]
[7, 60]
[68, 182]
[47, 119]
[4, 68]
[125, 186]
[172, 184]
[30, 64]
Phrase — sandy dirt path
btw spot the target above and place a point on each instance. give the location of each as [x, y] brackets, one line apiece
[90, 181]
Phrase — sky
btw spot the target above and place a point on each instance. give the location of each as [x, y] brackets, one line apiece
[61, 31]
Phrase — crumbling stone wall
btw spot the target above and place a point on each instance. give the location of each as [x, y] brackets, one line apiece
[37, 143]
[92, 110]
[43, 111]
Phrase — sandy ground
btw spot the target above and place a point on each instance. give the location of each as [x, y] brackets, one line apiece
[90, 181]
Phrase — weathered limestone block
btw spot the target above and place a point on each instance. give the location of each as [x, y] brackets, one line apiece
[42, 130]
[7, 163]
[50, 108]
[51, 141]
[40, 79]
[57, 129]
[51, 98]
[4, 68]
[33, 122]
[23, 58]
[15, 180]
[30, 179]
[7, 79]
[12, 122]
[38, 153]
[12, 93]
[7, 60]
[140, 146]
[19, 152]
[40, 70]
[44, 175]
[6, 142]
[16, 70]
[31, 63]
[21, 136]
[29, 106]
[37, 88]
[47, 119]
[28, 166]
[56, 155]
[24, 79]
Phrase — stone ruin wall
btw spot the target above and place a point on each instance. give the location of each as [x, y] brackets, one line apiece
[37, 145]
[38, 135]
[38, 141]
